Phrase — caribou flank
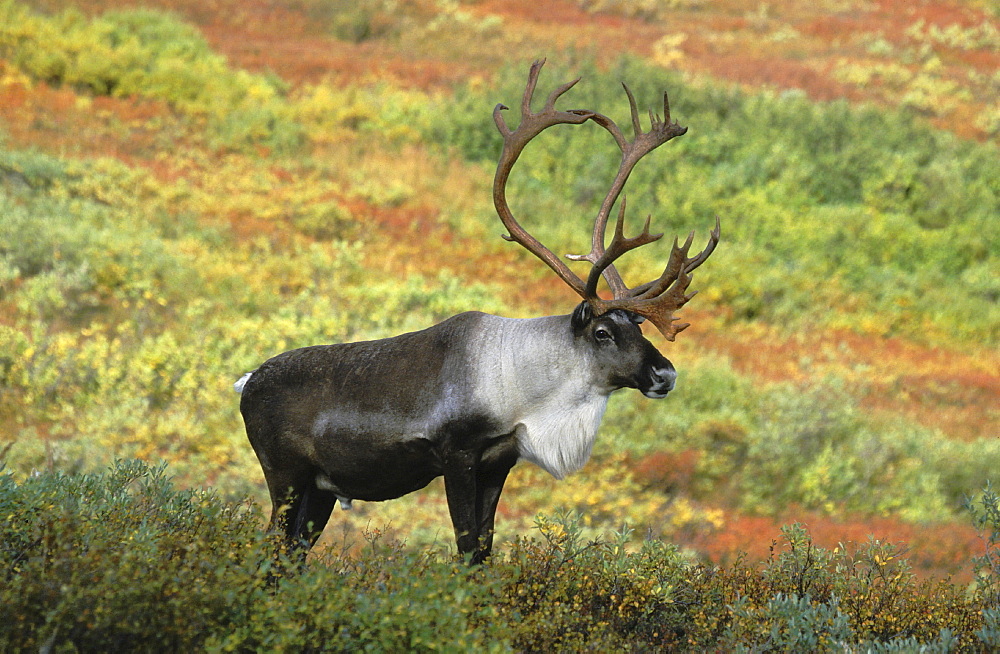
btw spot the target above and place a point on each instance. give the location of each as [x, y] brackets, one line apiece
[469, 397]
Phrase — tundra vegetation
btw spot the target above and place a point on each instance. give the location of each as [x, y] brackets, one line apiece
[185, 191]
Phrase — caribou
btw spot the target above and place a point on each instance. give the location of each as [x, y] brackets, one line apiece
[469, 397]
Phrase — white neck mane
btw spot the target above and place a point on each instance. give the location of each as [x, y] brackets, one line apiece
[558, 438]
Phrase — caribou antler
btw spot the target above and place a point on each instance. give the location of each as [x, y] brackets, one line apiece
[532, 124]
[656, 300]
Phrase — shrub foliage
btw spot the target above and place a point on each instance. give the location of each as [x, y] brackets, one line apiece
[122, 560]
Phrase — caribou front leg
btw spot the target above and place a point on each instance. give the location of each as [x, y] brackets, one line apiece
[460, 468]
[494, 466]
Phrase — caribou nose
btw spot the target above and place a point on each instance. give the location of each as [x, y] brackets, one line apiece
[664, 378]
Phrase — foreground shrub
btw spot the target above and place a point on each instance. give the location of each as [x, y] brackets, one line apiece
[123, 561]
[564, 593]
[986, 517]
[387, 599]
[570, 596]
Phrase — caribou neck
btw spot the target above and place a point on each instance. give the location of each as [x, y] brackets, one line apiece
[540, 383]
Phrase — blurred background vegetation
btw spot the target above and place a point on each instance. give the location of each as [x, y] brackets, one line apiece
[187, 189]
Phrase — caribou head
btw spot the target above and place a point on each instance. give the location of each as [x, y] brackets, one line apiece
[333, 422]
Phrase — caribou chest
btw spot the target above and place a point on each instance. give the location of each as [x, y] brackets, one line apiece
[559, 439]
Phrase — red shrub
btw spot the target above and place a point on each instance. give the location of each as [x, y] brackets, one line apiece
[667, 471]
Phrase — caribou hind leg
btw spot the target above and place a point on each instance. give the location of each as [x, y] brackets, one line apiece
[308, 522]
[300, 512]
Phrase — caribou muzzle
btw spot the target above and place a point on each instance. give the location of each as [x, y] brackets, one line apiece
[659, 380]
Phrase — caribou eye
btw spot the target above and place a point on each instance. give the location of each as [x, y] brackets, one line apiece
[603, 335]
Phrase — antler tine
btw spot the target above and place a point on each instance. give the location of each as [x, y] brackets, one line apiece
[634, 111]
[678, 264]
[529, 88]
[652, 289]
[551, 100]
[619, 246]
[713, 240]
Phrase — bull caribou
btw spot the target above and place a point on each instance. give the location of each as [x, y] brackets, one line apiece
[471, 396]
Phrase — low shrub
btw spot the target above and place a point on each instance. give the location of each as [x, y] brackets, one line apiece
[124, 561]
[986, 517]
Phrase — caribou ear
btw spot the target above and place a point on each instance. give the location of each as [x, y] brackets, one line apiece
[582, 315]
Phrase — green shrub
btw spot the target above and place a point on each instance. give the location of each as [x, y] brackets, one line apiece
[567, 594]
[788, 623]
[986, 518]
[989, 635]
[386, 600]
[357, 22]
[122, 560]
[75, 241]
[810, 598]
[767, 447]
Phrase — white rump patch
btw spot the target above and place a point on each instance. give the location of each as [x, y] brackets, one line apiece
[238, 386]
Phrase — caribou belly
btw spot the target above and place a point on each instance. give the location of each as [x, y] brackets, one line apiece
[323, 482]
[362, 456]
